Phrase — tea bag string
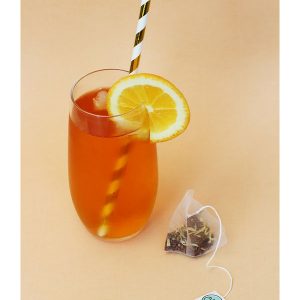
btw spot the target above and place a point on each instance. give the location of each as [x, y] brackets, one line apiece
[216, 249]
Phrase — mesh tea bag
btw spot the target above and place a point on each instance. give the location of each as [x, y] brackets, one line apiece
[193, 229]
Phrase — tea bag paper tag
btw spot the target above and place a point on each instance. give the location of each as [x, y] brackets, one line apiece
[211, 296]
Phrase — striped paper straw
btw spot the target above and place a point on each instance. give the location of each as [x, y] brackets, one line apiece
[139, 36]
[120, 166]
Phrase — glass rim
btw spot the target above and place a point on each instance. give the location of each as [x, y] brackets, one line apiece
[95, 115]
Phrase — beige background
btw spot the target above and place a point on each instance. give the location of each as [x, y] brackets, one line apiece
[224, 57]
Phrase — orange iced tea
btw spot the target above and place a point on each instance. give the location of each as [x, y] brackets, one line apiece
[95, 143]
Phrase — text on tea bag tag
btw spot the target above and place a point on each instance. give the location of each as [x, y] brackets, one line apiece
[211, 296]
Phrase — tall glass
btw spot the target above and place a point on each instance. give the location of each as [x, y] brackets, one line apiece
[99, 145]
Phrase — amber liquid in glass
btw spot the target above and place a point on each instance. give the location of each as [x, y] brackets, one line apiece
[93, 154]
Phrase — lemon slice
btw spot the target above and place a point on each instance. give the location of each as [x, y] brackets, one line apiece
[167, 108]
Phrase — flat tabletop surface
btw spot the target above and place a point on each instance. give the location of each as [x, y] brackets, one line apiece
[223, 55]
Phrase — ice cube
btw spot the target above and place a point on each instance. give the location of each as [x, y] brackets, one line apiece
[100, 99]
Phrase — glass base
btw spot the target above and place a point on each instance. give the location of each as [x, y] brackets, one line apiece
[121, 239]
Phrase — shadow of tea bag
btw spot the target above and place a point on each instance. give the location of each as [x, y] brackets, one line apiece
[193, 230]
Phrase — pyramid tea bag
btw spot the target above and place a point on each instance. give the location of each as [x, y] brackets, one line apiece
[193, 230]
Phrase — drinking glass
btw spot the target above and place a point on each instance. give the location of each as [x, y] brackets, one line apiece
[112, 163]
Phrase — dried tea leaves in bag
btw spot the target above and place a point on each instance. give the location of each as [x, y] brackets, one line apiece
[195, 236]
[193, 230]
